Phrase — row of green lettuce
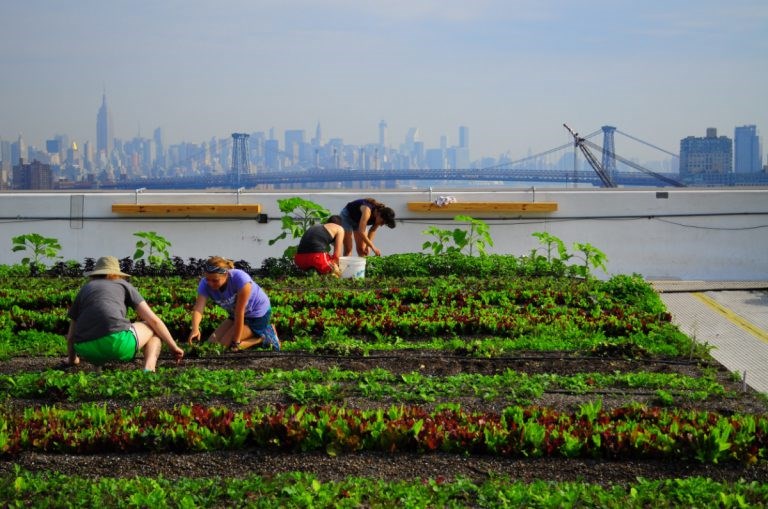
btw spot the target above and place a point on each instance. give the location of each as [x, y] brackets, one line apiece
[22, 488]
[315, 386]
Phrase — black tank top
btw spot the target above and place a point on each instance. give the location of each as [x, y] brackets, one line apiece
[315, 240]
[356, 214]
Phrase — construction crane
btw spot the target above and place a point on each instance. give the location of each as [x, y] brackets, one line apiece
[591, 159]
[583, 145]
[667, 180]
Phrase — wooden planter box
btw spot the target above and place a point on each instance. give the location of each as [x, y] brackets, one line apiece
[187, 209]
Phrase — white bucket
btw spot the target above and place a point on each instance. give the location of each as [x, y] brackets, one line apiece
[352, 266]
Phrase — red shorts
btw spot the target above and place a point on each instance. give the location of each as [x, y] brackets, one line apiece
[322, 262]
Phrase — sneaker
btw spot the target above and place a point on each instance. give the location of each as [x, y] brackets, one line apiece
[270, 338]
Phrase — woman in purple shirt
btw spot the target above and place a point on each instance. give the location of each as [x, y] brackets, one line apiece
[247, 304]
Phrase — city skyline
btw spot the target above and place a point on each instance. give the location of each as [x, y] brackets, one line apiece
[512, 72]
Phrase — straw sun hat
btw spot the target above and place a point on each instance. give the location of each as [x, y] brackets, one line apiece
[105, 266]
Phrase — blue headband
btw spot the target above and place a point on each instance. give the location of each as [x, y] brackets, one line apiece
[214, 269]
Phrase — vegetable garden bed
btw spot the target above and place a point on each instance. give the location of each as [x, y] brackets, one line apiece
[418, 391]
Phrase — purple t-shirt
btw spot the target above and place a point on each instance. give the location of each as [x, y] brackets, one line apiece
[258, 302]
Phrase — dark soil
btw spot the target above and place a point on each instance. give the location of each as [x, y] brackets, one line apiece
[406, 466]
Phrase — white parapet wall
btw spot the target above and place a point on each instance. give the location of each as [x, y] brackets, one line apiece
[664, 233]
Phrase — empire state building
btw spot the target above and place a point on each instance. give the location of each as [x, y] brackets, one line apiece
[104, 132]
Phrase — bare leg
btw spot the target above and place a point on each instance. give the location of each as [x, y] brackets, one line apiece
[362, 247]
[72, 358]
[223, 335]
[149, 344]
[251, 341]
[348, 243]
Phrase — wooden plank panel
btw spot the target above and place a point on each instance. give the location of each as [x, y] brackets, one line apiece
[187, 209]
[479, 206]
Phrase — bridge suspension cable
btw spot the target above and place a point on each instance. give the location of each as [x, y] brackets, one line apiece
[648, 144]
[636, 166]
[541, 154]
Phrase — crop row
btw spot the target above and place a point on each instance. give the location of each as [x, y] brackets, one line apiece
[541, 313]
[590, 432]
[24, 489]
[243, 386]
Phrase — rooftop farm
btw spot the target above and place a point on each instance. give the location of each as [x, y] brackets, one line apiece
[438, 380]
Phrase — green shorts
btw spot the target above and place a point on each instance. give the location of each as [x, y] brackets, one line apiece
[118, 346]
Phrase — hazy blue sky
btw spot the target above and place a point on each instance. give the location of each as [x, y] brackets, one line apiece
[511, 70]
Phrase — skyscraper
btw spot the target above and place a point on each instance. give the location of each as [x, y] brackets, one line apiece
[19, 151]
[104, 132]
[461, 153]
[463, 136]
[271, 154]
[157, 136]
[294, 138]
[748, 155]
[383, 135]
[318, 139]
[711, 154]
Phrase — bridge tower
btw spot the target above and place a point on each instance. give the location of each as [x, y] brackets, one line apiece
[609, 151]
[239, 157]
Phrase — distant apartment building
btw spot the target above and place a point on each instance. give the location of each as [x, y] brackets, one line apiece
[34, 175]
[712, 154]
[748, 154]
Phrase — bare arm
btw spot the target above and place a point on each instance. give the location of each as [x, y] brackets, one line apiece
[156, 324]
[197, 316]
[338, 240]
[367, 236]
[71, 355]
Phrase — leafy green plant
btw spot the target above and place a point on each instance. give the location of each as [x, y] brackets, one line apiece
[298, 215]
[476, 237]
[154, 246]
[591, 256]
[552, 243]
[40, 248]
[24, 488]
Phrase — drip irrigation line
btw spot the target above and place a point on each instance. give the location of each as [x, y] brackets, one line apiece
[269, 354]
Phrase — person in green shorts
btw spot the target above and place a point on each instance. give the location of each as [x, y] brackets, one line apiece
[99, 330]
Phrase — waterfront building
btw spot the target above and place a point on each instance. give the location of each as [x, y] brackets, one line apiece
[747, 151]
[34, 175]
[709, 155]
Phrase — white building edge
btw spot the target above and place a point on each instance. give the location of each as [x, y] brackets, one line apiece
[713, 234]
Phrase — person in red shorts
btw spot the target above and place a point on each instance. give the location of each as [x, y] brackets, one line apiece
[314, 244]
